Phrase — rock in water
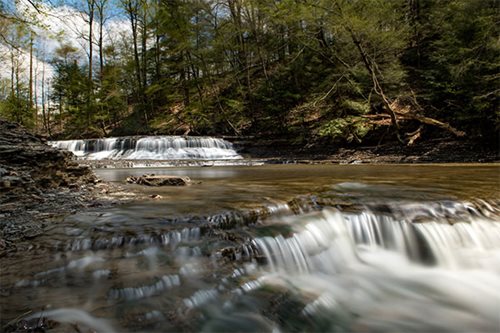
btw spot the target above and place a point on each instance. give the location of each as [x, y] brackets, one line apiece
[159, 180]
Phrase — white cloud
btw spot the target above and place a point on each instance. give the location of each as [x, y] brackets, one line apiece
[65, 24]
[56, 26]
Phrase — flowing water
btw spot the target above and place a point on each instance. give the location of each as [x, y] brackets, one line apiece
[152, 148]
[274, 248]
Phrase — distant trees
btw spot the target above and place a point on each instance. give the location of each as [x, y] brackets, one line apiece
[17, 102]
[346, 70]
[455, 66]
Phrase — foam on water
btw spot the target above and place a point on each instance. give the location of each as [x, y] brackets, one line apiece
[73, 316]
[368, 273]
[396, 265]
[151, 148]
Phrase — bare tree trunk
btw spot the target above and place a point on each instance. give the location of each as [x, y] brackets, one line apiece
[30, 96]
[44, 114]
[235, 10]
[91, 7]
[132, 9]
[101, 12]
[35, 86]
[144, 42]
[157, 42]
[12, 72]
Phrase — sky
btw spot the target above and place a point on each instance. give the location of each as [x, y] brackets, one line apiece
[59, 22]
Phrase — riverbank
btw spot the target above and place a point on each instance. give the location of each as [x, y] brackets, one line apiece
[39, 185]
[430, 151]
[259, 152]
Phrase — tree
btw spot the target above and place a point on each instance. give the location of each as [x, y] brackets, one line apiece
[70, 91]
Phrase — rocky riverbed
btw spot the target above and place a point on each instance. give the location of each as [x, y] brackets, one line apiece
[40, 184]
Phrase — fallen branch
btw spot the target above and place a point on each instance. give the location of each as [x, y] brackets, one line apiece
[381, 119]
[432, 122]
[414, 136]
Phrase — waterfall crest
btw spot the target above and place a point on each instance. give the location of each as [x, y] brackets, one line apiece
[151, 148]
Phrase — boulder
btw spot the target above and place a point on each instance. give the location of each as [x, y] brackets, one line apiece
[159, 180]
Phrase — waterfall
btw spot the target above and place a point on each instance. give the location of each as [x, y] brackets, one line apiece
[151, 148]
[383, 272]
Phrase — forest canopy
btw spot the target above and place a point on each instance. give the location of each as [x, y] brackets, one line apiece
[341, 70]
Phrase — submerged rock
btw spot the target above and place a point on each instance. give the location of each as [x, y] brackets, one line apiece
[159, 180]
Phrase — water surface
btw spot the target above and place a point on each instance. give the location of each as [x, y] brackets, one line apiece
[273, 248]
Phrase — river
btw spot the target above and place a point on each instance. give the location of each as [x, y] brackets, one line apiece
[275, 248]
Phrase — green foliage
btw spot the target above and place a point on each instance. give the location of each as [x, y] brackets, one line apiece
[284, 68]
[18, 109]
[459, 63]
[349, 129]
[357, 107]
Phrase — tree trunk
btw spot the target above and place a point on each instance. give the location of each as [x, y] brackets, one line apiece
[144, 42]
[12, 73]
[132, 11]
[370, 67]
[30, 96]
[100, 9]
[44, 114]
[35, 99]
[91, 7]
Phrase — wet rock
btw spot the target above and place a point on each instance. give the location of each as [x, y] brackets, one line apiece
[159, 180]
[36, 182]
[11, 180]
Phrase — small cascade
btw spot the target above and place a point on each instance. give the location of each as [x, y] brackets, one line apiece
[170, 239]
[398, 266]
[162, 284]
[151, 148]
[340, 239]
[381, 271]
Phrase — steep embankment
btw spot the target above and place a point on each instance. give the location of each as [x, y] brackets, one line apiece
[37, 182]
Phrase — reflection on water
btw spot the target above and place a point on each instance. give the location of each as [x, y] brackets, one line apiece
[218, 188]
[359, 248]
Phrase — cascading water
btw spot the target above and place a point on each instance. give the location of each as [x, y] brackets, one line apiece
[369, 272]
[151, 148]
[357, 257]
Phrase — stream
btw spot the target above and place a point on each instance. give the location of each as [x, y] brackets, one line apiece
[272, 248]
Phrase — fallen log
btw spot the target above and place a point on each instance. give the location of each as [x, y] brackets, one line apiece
[432, 122]
[381, 119]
